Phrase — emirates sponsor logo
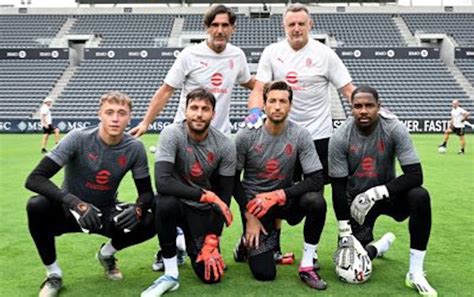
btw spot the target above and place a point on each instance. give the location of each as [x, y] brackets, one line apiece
[102, 177]
[216, 79]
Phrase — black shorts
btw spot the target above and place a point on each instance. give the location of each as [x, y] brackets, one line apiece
[458, 131]
[321, 146]
[48, 130]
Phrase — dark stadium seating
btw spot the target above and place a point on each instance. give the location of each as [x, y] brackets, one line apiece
[21, 31]
[458, 25]
[25, 83]
[409, 88]
[126, 30]
[467, 68]
[138, 78]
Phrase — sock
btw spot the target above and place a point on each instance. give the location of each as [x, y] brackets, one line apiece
[171, 266]
[180, 241]
[462, 150]
[107, 250]
[417, 258]
[53, 269]
[444, 143]
[308, 252]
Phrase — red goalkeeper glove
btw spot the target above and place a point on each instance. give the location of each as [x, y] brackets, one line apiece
[209, 254]
[262, 202]
[211, 197]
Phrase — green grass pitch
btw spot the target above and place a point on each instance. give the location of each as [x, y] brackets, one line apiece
[449, 262]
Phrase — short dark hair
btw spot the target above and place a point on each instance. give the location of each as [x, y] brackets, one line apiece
[277, 85]
[365, 89]
[203, 94]
[211, 13]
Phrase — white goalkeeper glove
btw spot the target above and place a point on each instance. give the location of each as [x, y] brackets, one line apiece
[363, 203]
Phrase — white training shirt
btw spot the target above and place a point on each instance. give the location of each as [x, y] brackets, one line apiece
[200, 66]
[44, 110]
[457, 114]
[308, 71]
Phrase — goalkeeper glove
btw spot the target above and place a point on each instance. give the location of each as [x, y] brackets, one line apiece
[86, 215]
[363, 202]
[209, 254]
[211, 197]
[255, 118]
[262, 202]
[129, 217]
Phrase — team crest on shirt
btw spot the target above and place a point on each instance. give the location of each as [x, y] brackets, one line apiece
[211, 157]
[380, 146]
[288, 149]
[122, 161]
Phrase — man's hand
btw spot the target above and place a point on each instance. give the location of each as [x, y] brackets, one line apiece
[211, 197]
[262, 202]
[129, 217]
[209, 254]
[139, 130]
[363, 203]
[255, 118]
[86, 215]
[252, 231]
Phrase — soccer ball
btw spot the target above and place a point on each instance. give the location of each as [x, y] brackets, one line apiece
[352, 266]
[152, 149]
[442, 149]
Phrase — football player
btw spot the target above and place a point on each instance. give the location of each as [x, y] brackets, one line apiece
[194, 172]
[267, 157]
[95, 160]
[457, 125]
[362, 156]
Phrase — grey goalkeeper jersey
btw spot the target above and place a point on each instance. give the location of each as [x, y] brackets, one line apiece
[93, 170]
[269, 161]
[196, 162]
[369, 161]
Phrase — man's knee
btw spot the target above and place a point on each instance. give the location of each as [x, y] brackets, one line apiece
[313, 202]
[200, 271]
[420, 199]
[38, 205]
[263, 267]
[166, 206]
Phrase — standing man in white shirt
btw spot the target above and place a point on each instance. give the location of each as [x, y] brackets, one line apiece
[213, 64]
[47, 124]
[308, 66]
[456, 125]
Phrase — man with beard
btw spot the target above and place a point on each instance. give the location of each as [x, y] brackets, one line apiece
[194, 172]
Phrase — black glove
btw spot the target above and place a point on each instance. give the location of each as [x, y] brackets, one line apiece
[86, 215]
[129, 217]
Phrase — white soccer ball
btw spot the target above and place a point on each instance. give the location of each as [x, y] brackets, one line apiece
[152, 149]
[442, 150]
[352, 266]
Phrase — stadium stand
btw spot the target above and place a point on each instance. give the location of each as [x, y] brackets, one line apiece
[467, 68]
[126, 30]
[410, 88]
[25, 83]
[137, 78]
[27, 31]
[371, 30]
[458, 25]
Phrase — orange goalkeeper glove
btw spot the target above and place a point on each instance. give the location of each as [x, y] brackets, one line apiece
[211, 197]
[209, 254]
[262, 202]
